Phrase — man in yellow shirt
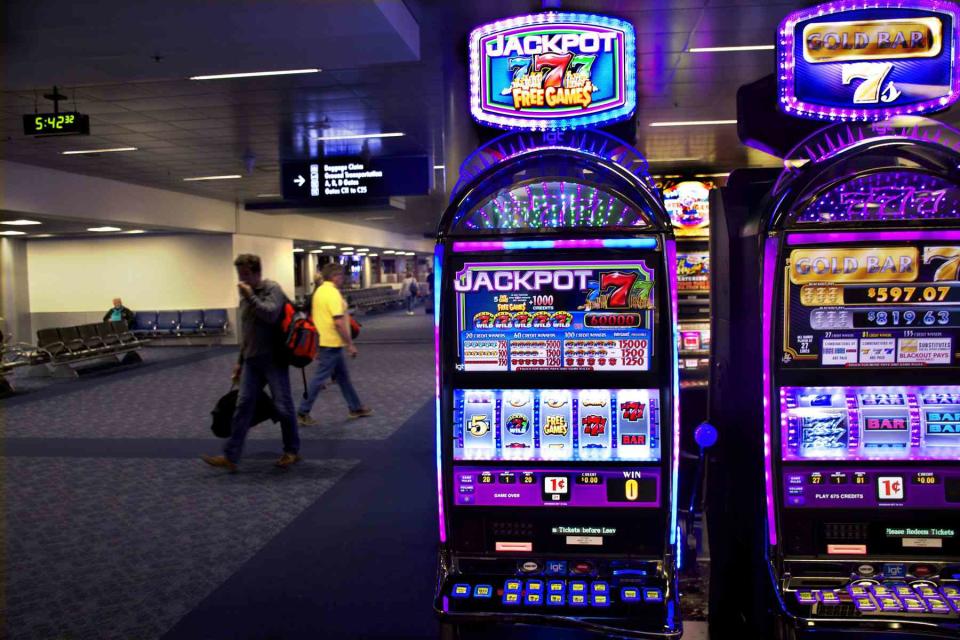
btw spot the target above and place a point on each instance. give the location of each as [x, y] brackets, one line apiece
[329, 311]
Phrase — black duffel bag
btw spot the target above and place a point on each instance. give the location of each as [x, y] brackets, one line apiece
[223, 413]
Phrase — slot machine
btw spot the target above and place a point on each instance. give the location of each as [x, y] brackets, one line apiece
[849, 338]
[557, 388]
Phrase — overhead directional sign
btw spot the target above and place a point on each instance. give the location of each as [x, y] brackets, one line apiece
[336, 181]
[861, 60]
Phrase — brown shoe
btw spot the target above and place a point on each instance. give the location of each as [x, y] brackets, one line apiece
[220, 461]
[287, 460]
[363, 412]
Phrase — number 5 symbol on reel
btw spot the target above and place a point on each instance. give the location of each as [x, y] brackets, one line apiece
[873, 74]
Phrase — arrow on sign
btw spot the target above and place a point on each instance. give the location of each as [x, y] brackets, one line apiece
[299, 180]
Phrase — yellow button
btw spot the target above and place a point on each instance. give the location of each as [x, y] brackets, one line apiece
[483, 591]
[556, 598]
[512, 597]
[599, 598]
[577, 599]
[578, 587]
[599, 588]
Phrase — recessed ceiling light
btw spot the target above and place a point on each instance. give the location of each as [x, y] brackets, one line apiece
[316, 251]
[690, 123]
[269, 195]
[438, 167]
[135, 231]
[298, 249]
[748, 47]
[390, 252]
[42, 235]
[364, 250]
[77, 152]
[372, 255]
[346, 248]
[361, 136]
[232, 176]
[254, 74]
[328, 246]
[20, 223]
[13, 233]
[104, 229]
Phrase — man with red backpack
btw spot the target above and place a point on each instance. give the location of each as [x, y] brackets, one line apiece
[264, 360]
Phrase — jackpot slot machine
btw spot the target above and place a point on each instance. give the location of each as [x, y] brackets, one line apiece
[840, 315]
[557, 390]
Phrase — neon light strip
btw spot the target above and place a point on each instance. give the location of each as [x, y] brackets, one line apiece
[769, 276]
[671, 254]
[870, 236]
[437, 279]
[520, 245]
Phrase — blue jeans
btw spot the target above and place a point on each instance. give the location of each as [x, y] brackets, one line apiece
[410, 300]
[330, 361]
[257, 372]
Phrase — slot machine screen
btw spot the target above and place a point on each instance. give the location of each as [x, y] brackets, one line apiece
[693, 272]
[592, 315]
[871, 307]
[688, 204]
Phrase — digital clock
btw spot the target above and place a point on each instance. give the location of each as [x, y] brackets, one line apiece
[56, 124]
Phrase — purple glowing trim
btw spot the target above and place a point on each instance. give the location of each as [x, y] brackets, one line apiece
[769, 279]
[671, 255]
[795, 239]
[437, 280]
[592, 116]
[786, 62]
[589, 243]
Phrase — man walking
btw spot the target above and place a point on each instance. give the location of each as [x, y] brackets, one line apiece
[329, 311]
[262, 361]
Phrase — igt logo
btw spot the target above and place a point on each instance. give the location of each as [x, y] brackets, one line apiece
[593, 425]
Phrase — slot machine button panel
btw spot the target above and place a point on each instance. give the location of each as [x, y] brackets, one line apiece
[864, 604]
[806, 596]
[578, 599]
[652, 594]
[829, 598]
[512, 598]
[630, 594]
[555, 599]
[888, 604]
[600, 587]
[483, 591]
[535, 586]
[938, 605]
[912, 604]
[600, 600]
[460, 590]
[533, 599]
[512, 585]
[556, 586]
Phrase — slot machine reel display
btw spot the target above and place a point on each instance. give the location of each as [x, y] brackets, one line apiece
[557, 390]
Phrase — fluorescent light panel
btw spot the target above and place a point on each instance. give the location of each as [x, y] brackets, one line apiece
[362, 136]
[690, 123]
[438, 166]
[20, 223]
[389, 253]
[77, 152]
[268, 195]
[13, 233]
[232, 176]
[746, 47]
[328, 246]
[298, 249]
[255, 74]
[316, 251]
[104, 229]
[135, 231]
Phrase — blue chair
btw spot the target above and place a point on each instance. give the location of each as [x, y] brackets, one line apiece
[168, 322]
[191, 322]
[215, 321]
[144, 323]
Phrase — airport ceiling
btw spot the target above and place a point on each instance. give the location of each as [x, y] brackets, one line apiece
[127, 63]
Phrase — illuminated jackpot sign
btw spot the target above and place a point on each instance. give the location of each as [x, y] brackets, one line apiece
[553, 71]
[859, 60]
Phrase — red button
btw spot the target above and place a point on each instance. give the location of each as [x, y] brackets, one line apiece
[582, 567]
[921, 570]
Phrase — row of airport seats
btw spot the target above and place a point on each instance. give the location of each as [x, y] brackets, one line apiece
[373, 298]
[172, 324]
[69, 345]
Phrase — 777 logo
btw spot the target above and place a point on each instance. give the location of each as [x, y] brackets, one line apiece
[593, 425]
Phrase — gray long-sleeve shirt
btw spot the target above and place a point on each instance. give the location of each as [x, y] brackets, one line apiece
[259, 314]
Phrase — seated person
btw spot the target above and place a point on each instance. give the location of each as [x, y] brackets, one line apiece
[119, 312]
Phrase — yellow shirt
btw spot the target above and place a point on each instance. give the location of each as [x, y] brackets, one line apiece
[327, 305]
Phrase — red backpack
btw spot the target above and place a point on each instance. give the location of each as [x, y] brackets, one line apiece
[300, 336]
